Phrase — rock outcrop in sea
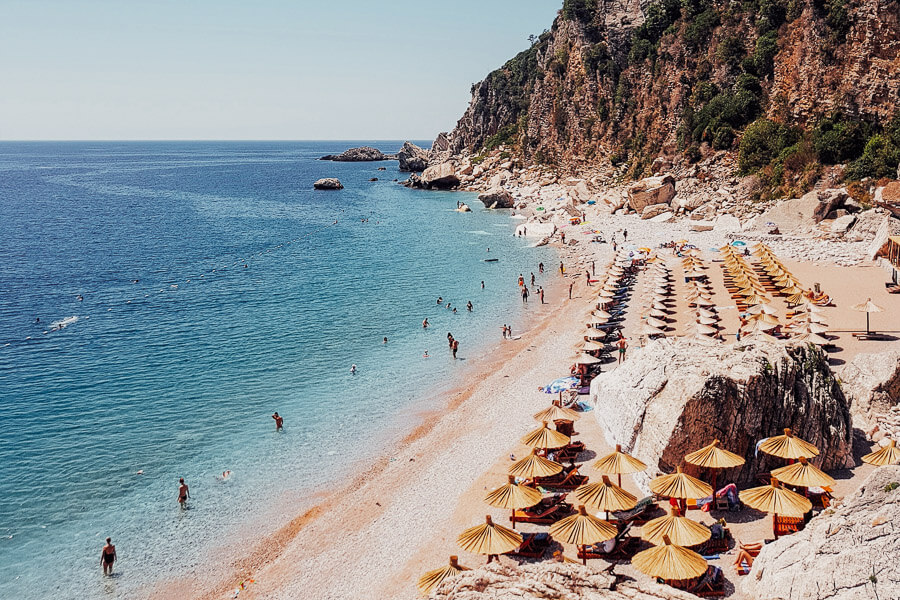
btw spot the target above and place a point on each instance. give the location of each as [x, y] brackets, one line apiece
[848, 553]
[328, 183]
[361, 154]
[675, 395]
[413, 158]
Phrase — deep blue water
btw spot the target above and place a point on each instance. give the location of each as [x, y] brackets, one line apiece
[180, 353]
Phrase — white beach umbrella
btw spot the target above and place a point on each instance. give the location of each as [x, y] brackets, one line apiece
[706, 329]
[702, 302]
[650, 330]
[703, 312]
[586, 359]
[594, 334]
[602, 314]
[656, 323]
[591, 346]
[659, 314]
[706, 321]
[659, 305]
[762, 308]
[811, 338]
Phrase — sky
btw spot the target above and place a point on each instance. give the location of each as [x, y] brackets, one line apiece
[250, 69]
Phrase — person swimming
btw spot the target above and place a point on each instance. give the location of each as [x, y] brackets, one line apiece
[353, 369]
[426, 355]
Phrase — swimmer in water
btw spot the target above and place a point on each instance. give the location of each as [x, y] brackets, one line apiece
[279, 421]
[425, 324]
[426, 355]
[469, 306]
[440, 300]
[353, 369]
[183, 492]
[384, 341]
[79, 297]
[224, 476]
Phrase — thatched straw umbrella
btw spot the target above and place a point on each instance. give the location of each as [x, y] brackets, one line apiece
[802, 474]
[680, 530]
[619, 463]
[788, 446]
[605, 496]
[432, 579]
[889, 455]
[867, 307]
[582, 529]
[555, 412]
[669, 562]
[513, 496]
[776, 500]
[714, 457]
[681, 486]
[490, 539]
[543, 438]
[533, 466]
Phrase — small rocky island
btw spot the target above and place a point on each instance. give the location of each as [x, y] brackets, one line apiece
[328, 183]
[362, 154]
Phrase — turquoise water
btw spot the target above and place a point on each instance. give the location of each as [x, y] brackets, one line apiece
[159, 351]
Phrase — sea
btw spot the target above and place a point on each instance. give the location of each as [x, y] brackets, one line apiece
[159, 301]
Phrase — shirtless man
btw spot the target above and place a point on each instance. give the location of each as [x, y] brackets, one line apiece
[279, 422]
[108, 557]
[183, 493]
[425, 324]
[622, 345]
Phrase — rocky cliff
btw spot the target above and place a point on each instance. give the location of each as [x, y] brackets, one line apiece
[844, 554]
[674, 396]
[621, 82]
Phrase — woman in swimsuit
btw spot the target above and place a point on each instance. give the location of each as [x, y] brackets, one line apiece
[108, 557]
[183, 493]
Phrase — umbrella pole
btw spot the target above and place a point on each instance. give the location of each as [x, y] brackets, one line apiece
[584, 555]
[512, 518]
[620, 480]
[867, 323]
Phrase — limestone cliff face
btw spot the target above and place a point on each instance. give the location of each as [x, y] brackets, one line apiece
[628, 79]
[674, 396]
[844, 554]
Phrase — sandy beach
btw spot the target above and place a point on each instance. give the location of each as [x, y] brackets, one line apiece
[374, 536]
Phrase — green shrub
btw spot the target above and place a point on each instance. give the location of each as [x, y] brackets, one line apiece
[726, 111]
[763, 142]
[505, 135]
[879, 159]
[595, 56]
[762, 61]
[579, 10]
[731, 50]
[641, 50]
[700, 28]
[837, 140]
[703, 92]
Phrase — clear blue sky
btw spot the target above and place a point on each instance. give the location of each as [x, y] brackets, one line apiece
[250, 69]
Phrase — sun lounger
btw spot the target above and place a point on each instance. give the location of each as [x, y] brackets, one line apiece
[566, 480]
[782, 525]
[569, 453]
[534, 545]
[640, 514]
[871, 335]
[625, 549]
[892, 288]
[548, 511]
[710, 585]
[716, 545]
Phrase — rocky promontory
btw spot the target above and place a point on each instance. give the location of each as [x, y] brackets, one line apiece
[844, 554]
[413, 158]
[362, 154]
[674, 392]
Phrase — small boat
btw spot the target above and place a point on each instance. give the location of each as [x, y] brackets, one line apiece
[491, 259]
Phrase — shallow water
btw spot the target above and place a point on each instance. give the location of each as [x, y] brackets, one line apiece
[159, 351]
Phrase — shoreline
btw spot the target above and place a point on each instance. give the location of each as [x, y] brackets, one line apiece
[349, 508]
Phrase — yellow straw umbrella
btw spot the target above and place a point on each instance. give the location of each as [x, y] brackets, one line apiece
[586, 359]
[605, 496]
[669, 562]
[619, 463]
[715, 458]
[582, 529]
[591, 346]
[795, 298]
[802, 474]
[432, 579]
[489, 539]
[788, 446]
[555, 412]
[776, 500]
[764, 317]
[534, 466]
[889, 455]
[867, 307]
[680, 530]
[544, 438]
[756, 299]
[512, 496]
[680, 485]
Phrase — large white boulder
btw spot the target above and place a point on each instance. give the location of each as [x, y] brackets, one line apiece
[652, 190]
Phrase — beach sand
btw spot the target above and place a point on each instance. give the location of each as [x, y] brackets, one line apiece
[373, 537]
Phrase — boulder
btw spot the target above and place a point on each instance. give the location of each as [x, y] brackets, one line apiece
[653, 210]
[550, 579]
[442, 176]
[825, 202]
[872, 384]
[665, 217]
[842, 224]
[727, 224]
[675, 392]
[702, 225]
[848, 553]
[362, 154]
[880, 241]
[795, 215]
[412, 158]
[582, 191]
[889, 194]
[328, 183]
[497, 198]
[652, 190]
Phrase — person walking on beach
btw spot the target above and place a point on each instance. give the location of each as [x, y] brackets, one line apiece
[593, 268]
[183, 492]
[525, 294]
[279, 421]
[587, 277]
[108, 557]
[563, 234]
[562, 269]
[541, 294]
[454, 347]
[625, 235]
[540, 267]
[570, 289]
[622, 345]
[532, 280]
[521, 280]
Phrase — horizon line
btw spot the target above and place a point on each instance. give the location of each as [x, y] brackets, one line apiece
[217, 140]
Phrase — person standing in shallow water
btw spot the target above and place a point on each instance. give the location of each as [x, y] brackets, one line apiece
[454, 346]
[183, 492]
[525, 294]
[279, 421]
[108, 557]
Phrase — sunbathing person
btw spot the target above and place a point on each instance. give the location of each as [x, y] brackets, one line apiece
[746, 554]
